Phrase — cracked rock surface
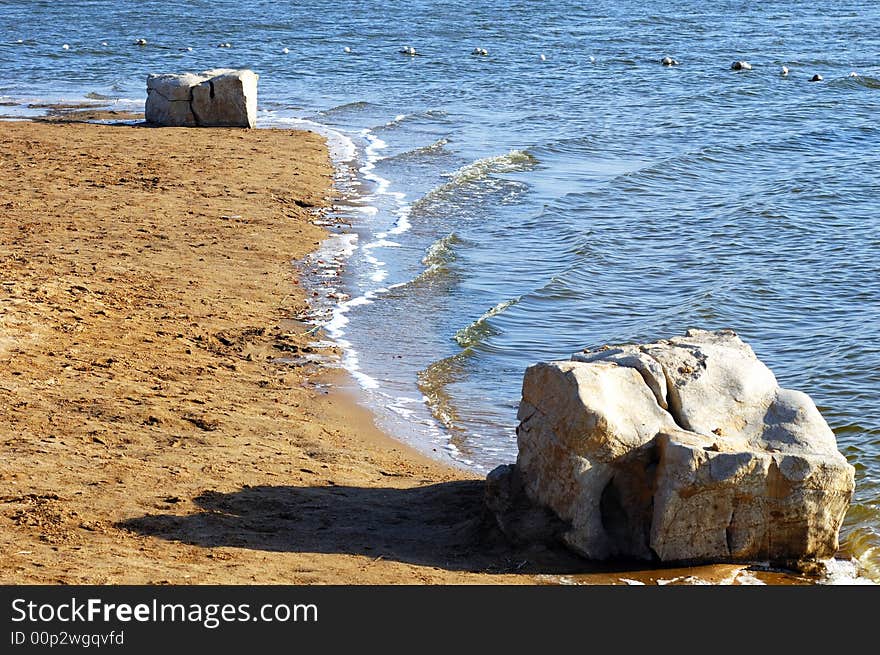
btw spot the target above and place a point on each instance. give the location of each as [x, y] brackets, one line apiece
[221, 97]
[685, 450]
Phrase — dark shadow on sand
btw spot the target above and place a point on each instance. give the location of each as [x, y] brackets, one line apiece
[441, 525]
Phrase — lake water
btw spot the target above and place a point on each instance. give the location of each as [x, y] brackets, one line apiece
[564, 190]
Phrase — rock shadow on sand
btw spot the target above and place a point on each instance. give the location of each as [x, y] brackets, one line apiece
[441, 525]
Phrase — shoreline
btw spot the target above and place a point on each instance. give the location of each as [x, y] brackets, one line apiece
[126, 391]
[164, 420]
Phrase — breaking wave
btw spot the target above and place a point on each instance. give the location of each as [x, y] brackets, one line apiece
[479, 330]
[441, 252]
[345, 108]
[480, 170]
[435, 148]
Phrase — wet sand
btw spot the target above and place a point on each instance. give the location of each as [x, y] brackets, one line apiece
[163, 417]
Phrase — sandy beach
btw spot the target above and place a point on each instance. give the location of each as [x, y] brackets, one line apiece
[164, 418]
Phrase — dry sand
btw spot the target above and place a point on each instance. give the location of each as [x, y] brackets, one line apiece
[161, 416]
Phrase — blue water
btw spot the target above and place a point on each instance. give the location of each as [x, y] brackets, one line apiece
[511, 208]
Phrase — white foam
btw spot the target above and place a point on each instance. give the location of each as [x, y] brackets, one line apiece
[684, 580]
[402, 224]
[381, 243]
[368, 210]
[383, 185]
[746, 577]
[363, 379]
[335, 328]
[360, 301]
[371, 152]
[844, 572]
[397, 119]
[397, 406]
[342, 148]
[375, 143]
[337, 247]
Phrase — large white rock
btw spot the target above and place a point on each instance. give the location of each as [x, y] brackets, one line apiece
[715, 382]
[732, 501]
[583, 426]
[169, 99]
[216, 98]
[683, 450]
[228, 98]
[633, 357]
